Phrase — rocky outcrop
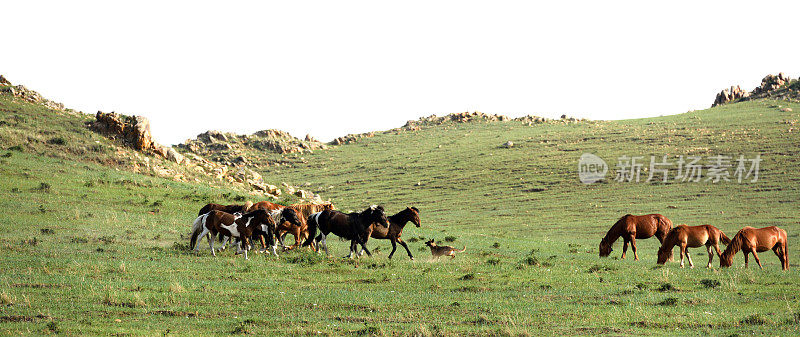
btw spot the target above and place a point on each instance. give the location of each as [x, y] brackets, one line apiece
[772, 86]
[227, 144]
[20, 91]
[133, 131]
[729, 95]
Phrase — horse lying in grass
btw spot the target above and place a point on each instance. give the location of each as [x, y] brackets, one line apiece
[632, 227]
[353, 226]
[396, 224]
[757, 240]
[215, 222]
[685, 236]
[299, 231]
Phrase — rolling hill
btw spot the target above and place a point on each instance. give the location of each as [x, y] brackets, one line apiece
[94, 241]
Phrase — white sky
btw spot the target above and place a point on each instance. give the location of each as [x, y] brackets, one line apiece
[335, 67]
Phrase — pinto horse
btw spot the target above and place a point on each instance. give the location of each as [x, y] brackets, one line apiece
[685, 236]
[232, 209]
[299, 230]
[215, 222]
[632, 227]
[353, 226]
[752, 240]
[395, 230]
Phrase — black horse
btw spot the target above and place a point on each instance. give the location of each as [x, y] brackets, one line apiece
[355, 227]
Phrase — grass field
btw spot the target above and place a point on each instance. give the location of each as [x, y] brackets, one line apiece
[88, 249]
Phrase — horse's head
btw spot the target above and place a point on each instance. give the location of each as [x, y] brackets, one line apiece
[725, 260]
[376, 214]
[290, 215]
[663, 255]
[605, 248]
[414, 215]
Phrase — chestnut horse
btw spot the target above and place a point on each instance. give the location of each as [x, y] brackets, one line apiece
[353, 226]
[395, 230]
[299, 231]
[752, 240]
[215, 222]
[692, 236]
[632, 227]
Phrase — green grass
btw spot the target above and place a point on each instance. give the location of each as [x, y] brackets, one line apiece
[88, 249]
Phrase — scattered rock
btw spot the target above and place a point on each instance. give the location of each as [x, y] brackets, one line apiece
[508, 144]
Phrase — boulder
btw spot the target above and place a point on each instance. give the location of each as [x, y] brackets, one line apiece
[4, 81]
[729, 95]
[175, 156]
[132, 131]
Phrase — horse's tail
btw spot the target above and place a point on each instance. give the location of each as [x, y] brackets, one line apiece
[463, 250]
[197, 228]
[313, 223]
[724, 238]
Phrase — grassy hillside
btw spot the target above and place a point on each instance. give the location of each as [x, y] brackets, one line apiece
[88, 249]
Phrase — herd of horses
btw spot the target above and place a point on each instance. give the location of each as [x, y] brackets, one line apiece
[749, 240]
[270, 223]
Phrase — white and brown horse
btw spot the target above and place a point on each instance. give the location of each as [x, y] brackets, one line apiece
[241, 228]
[352, 226]
[685, 237]
[756, 240]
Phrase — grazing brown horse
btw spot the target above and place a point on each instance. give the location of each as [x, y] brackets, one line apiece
[300, 231]
[692, 236]
[753, 240]
[395, 230]
[352, 226]
[632, 227]
[215, 222]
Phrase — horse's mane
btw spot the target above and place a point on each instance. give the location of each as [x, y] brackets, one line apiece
[735, 246]
[396, 218]
[615, 228]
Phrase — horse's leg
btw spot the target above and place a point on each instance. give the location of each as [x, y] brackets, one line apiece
[777, 250]
[202, 234]
[211, 244]
[624, 247]
[352, 252]
[363, 246]
[633, 246]
[683, 253]
[710, 256]
[403, 243]
[745, 259]
[689, 256]
[394, 247]
[296, 233]
[755, 255]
